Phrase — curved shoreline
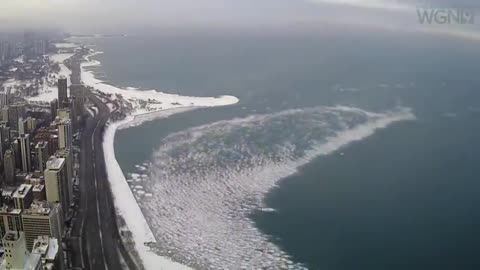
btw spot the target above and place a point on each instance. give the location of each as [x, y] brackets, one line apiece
[126, 205]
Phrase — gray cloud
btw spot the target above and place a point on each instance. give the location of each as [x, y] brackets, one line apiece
[110, 14]
[99, 16]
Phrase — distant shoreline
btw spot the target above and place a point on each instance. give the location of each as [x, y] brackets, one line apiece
[96, 35]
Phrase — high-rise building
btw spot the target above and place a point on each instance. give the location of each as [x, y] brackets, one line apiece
[23, 196]
[3, 141]
[15, 112]
[16, 252]
[56, 182]
[5, 130]
[28, 40]
[40, 47]
[64, 133]
[52, 144]
[5, 114]
[2, 146]
[39, 193]
[3, 100]
[9, 167]
[5, 52]
[17, 154]
[42, 218]
[22, 126]
[42, 155]
[67, 155]
[49, 250]
[10, 217]
[54, 108]
[31, 124]
[62, 91]
[24, 141]
[64, 114]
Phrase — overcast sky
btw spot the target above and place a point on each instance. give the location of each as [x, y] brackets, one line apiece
[109, 16]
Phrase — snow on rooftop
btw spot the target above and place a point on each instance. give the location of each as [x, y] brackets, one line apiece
[55, 163]
[22, 190]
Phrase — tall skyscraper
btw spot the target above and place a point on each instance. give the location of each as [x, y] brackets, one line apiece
[3, 100]
[52, 144]
[56, 182]
[24, 141]
[31, 124]
[10, 217]
[15, 112]
[42, 155]
[54, 108]
[9, 166]
[67, 155]
[17, 154]
[62, 91]
[64, 133]
[64, 114]
[15, 250]
[42, 218]
[3, 142]
[5, 114]
[5, 130]
[22, 126]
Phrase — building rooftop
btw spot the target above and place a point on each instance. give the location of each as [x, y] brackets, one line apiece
[46, 246]
[8, 209]
[62, 153]
[24, 136]
[55, 163]
[22, 190]
[38, 188]
[42, 208]
[62, 121]
[34, 179]
[41, 144]
[11, 236]
[8, 191]
[32, 261]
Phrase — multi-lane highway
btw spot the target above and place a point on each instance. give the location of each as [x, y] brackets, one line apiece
[98, 244]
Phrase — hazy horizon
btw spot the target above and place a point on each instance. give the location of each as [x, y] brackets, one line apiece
[88, 16]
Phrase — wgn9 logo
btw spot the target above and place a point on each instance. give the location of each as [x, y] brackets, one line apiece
[446, 15]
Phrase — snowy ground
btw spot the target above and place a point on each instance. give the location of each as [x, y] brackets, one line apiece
[13, 85]
[144, 106]
[47, 86]
[48, 91]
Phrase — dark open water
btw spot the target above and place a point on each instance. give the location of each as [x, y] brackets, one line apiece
[403, 198]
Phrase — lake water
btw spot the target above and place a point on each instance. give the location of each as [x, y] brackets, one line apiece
[348, 150]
